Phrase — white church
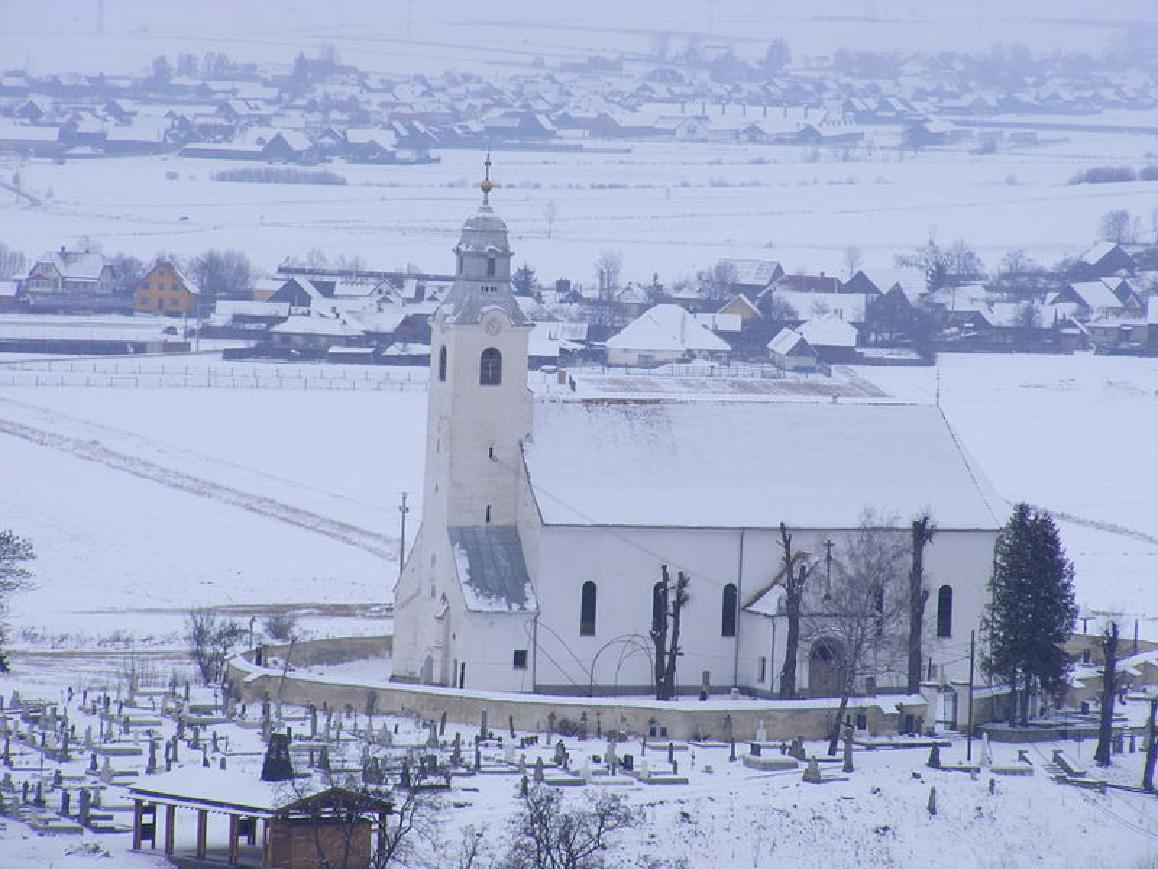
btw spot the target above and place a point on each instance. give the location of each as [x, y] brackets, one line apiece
[546, 520]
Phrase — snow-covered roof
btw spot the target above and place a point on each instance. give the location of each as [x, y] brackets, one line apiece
[239, 308]
[229, 789]
[666, 328]
[1098, 252]
[829, 331]
[310, 325]
[1096, 295]
[753, 272]
[809, 465]
[491, 570]
[75, 265]
[719, 322]
[848, 306]
[785, 342]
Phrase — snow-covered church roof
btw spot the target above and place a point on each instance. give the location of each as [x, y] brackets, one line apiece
[709, 464]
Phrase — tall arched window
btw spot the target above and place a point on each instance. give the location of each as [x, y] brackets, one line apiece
[442, 362]
[490, 367]
[728, 611]
[587, 610]
[945, 611]
[490, 267]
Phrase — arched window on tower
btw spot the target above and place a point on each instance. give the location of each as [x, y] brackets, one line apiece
[945, 611]
[490, 267]
[587, 610]
[490, 367]
[442, 362]
[728, 611]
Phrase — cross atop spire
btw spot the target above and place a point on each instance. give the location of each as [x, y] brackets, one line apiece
[487, 185]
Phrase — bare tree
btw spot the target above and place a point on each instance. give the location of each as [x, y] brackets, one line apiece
[794, 581]
[550, 212]
[12, 262]
[1116, 226]
[668, 602]
[281, 626]
[548, 834]
[866, 608]
[1016, 262]
[852, 260]
[608, 266]
[1109, 692]
[15, 553]
[221, 275]
[210, 640]
[922, 535]
[719, 280]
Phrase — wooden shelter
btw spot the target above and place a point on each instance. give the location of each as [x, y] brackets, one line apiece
[302, 826]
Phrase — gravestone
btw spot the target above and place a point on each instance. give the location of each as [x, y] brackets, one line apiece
[812, 772]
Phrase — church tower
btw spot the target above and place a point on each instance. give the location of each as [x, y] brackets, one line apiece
[479, 408]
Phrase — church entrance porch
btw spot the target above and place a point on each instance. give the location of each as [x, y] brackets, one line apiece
[824, 671]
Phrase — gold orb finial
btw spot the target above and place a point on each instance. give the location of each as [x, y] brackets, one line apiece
[486, 185]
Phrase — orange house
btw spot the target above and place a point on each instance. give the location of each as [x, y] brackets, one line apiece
[164, 290]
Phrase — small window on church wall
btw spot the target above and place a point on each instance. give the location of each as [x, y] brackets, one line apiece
[490, 367]
[490, 267]
[442, 363]
[520, 661]
[587, 610]
[488, 516]
[945, 611]
[762, 669]
[728, 611]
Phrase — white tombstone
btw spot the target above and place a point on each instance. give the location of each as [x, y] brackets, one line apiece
[761, 731]
[644, 773]
[585, 770]
[509, 752]
[986, 757]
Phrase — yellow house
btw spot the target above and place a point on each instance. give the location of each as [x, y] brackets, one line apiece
[164, 290]
[741, 307]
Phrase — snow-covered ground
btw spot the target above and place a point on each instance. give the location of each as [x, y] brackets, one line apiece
[669, 208]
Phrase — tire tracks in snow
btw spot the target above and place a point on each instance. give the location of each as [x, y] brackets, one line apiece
[94, 451]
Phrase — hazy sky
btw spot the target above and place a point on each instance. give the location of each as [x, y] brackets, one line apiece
[430, 35]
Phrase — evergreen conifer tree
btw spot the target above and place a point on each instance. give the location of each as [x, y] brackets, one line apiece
[1032, 612]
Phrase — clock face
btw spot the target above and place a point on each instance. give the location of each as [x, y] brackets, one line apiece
[493, 324]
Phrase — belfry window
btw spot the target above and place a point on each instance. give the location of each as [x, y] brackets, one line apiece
[442, 363]
[490, 367]
[490, 267]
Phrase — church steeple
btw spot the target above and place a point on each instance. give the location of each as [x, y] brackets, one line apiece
[483, 270]
[479, 407]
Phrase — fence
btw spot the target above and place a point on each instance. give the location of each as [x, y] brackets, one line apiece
[130, 375]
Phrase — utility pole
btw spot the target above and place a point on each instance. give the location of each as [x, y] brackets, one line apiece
[1151, 749]
[969, 725]
[403, 509]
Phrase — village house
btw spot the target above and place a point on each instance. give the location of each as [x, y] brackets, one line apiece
[792, 352]
[70, 271]
[165, 290]
[662, 334]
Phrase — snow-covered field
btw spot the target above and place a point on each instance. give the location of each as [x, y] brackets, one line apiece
[669, 208]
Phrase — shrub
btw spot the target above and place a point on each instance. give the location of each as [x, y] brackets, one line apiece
[279, 175]
[1104, 175]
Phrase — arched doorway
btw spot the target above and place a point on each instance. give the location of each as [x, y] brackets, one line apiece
[824, 668]
[427, 675]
